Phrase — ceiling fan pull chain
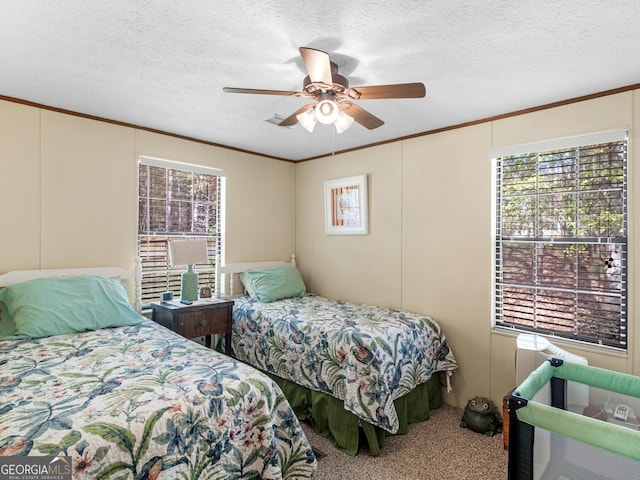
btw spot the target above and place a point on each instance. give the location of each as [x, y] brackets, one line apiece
[333, 140]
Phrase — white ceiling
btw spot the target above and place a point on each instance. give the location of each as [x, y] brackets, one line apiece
[162, 64]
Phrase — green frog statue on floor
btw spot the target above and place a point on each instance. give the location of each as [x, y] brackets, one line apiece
[481, 415]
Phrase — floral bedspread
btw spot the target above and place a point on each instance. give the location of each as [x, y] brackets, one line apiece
[367, 356]
[143, 403]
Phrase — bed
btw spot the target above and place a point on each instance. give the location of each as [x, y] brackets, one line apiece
[86, 378]
[347, 368]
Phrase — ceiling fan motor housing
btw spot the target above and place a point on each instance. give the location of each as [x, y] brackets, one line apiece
[340, 83]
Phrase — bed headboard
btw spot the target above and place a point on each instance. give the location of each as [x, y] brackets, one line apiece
[227, 275]
[18, 276]
[122, 274]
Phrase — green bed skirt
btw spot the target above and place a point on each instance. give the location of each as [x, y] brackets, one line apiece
[327, 415]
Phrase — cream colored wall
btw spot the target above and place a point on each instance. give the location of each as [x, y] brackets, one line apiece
[261, 209]
[19, 187]
[430, 246]
[68, 186]
[359, 268]
[446, 245]
[87, 172]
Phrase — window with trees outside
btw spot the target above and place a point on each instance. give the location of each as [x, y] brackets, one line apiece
[176, 202]
[561, 239]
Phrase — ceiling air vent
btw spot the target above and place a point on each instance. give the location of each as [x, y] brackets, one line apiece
[277, 119]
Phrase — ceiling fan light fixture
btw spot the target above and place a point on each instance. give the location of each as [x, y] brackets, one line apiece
[327, 110]
[343, 122]
[307, 119]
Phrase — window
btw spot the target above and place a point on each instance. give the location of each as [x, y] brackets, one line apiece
[176, 201]
[561, 239]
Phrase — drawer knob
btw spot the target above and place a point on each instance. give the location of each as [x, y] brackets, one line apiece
[204, 323]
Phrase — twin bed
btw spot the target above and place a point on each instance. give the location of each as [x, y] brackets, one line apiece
[83, 376]
[347, 368]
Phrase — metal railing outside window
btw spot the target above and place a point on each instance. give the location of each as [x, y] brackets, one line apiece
[176, 201]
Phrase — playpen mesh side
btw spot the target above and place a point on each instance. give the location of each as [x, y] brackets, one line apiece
[548, 442]
[564, 458]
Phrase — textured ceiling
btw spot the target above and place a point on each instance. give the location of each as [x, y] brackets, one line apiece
[162, 64]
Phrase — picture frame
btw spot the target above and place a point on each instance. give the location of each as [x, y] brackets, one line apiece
[205, 292]
[346, 211]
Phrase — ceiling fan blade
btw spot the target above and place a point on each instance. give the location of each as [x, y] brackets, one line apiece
[360, 115]
[292, 119]
[262, 92]
[398, 90]
[317, 64]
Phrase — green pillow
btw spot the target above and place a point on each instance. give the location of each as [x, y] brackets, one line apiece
[271, 284]
[55, 306]
[7, 326]
[248, 285]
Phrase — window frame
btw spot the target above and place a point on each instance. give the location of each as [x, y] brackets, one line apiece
[166, 274]
[621, 344]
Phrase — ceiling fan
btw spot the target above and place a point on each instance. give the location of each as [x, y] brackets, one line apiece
[333, 97]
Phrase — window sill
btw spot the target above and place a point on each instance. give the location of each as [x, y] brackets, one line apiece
[574, 346]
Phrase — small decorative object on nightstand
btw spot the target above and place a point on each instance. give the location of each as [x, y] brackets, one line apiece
[200, 318]
[205, 292]
[166, 296]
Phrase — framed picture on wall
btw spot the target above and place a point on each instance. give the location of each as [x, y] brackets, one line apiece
[345, 206]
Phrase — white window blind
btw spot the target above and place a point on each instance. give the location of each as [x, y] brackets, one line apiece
[561, 239]
[176, 201]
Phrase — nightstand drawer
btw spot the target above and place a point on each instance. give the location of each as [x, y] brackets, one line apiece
[201, 322]
[200, 319]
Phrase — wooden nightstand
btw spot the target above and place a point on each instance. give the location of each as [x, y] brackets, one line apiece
[201, 318]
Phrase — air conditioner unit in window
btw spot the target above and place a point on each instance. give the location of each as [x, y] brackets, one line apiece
[532, 350]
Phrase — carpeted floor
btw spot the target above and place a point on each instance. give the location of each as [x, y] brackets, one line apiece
[437, 449]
